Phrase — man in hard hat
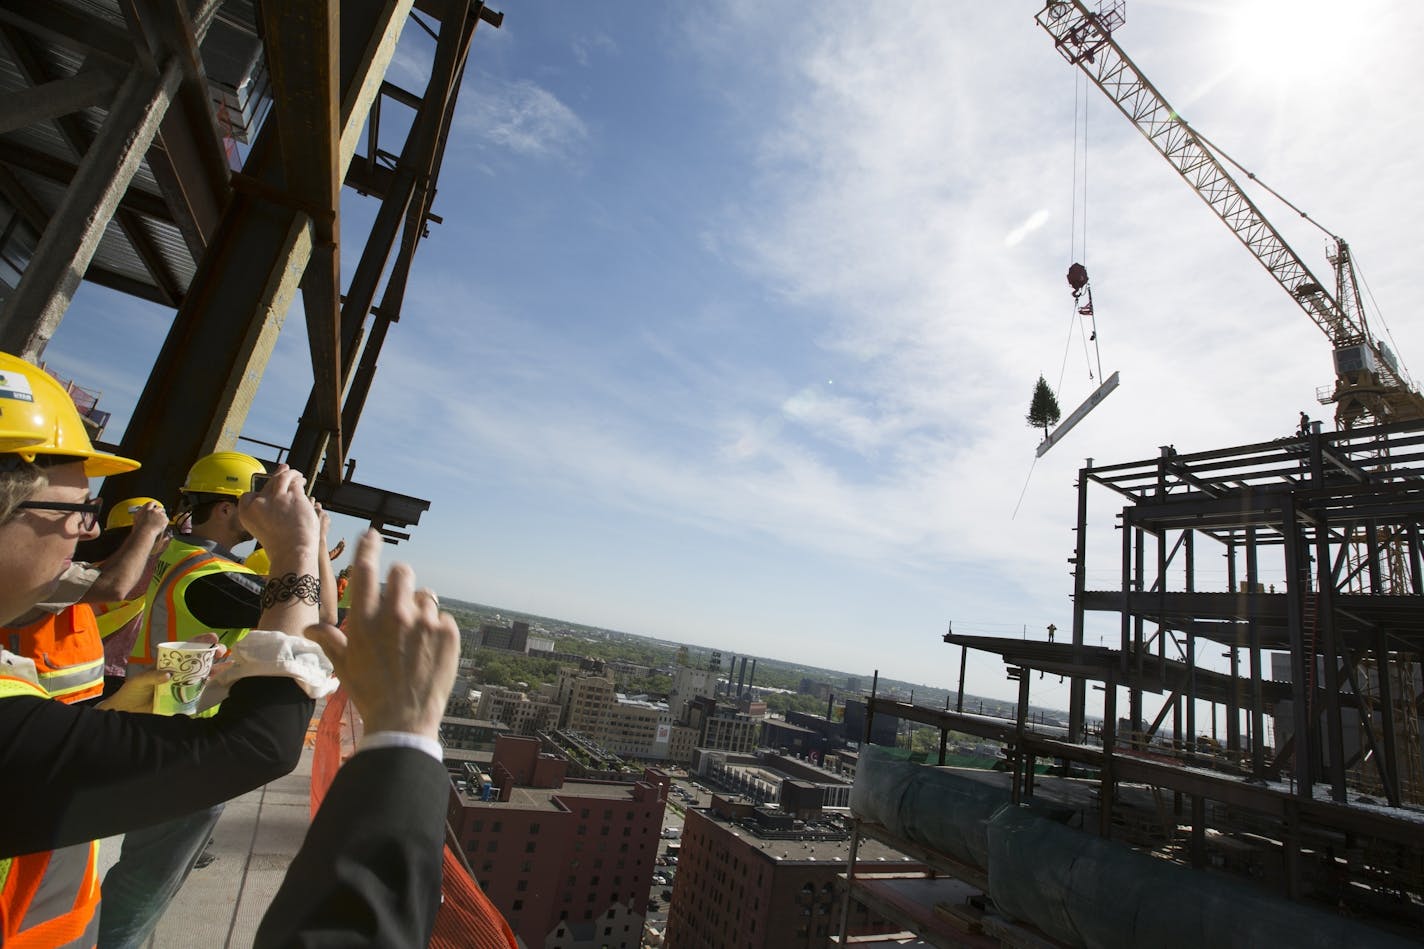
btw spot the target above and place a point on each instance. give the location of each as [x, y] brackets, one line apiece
[64, 635]
[74, 773]
[198, 586]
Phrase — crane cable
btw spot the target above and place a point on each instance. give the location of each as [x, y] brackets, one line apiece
[1080, 134]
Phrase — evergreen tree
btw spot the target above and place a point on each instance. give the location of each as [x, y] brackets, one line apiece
[1043, 411]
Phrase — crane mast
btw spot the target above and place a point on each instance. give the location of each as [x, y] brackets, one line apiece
[1370, 385]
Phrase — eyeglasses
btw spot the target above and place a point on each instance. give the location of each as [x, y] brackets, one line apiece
[90, 509]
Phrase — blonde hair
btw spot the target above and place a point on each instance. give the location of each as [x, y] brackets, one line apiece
[19, 481]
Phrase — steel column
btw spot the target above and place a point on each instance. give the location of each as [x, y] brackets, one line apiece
[1077, 688]
[1295, 575]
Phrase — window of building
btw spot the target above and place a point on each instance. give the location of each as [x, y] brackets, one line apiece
[518, 905]
[495, 827]
[492, 846]
[588, 914]
[533, 828]
[529, 847]
[521, 886]
[526, 866]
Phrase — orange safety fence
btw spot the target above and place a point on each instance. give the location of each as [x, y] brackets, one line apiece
[466, 919]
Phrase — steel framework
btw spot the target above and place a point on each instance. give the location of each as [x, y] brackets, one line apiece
[1294, 508]
[118, 137]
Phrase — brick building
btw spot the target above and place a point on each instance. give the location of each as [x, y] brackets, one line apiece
[753, 878]
[569, 863]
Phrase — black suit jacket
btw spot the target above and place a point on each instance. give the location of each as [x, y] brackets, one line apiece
[71, 774]
[369, 871]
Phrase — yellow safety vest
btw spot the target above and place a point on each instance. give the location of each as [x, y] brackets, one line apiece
[165, 612]
[49, 898]
[115, 616]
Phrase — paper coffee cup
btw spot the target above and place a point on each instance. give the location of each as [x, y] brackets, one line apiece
[188, 665]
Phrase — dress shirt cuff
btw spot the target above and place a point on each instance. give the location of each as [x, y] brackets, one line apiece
[372, 740]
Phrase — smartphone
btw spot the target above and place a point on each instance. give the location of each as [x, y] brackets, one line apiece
[259, 481]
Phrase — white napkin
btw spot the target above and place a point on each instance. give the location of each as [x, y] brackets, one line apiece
[266, 652]
[18, 667]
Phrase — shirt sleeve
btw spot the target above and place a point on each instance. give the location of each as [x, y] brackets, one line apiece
[374, 740]
[225, 600]
[79, 774]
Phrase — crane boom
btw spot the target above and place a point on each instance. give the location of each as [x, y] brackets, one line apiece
[1369, 382]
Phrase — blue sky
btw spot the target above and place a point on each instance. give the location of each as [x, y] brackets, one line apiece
[736, 309]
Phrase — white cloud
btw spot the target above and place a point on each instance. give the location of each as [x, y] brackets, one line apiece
[522, 117]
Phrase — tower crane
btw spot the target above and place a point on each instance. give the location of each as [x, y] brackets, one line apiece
[1370, 384]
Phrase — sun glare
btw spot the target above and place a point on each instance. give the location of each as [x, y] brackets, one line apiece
[1293, 41]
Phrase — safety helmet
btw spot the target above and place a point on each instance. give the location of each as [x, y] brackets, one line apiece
[37, 417]
[122, 514]
[258, 562]
[222, 472]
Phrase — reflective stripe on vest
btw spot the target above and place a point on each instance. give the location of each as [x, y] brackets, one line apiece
[52, 898]
[67, 650]
[115, 616]
[165, 614]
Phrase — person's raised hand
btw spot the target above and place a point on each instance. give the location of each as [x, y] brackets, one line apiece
[398, 654]
[281, 516]
[150, 519]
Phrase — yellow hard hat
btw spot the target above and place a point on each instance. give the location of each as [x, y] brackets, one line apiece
[258, 562]
[37, 417]
[121, 515]
[222, 472]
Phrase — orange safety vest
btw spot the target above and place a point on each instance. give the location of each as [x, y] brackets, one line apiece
[68, 652]
[48, 899]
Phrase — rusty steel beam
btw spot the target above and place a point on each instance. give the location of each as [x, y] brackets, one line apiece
[187, 158]
[62, 172]
[408, 201]
[302, 48]
[49, 100]
[79, 139]
[224, 333]
[38, 219]
[33, 312]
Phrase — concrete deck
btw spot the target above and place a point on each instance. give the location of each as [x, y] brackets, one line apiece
[255, 840]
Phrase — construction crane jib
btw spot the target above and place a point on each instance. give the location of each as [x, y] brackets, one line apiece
[1370, 385]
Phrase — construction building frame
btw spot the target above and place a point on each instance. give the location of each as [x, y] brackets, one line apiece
[1328, 802]
[193, 153]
